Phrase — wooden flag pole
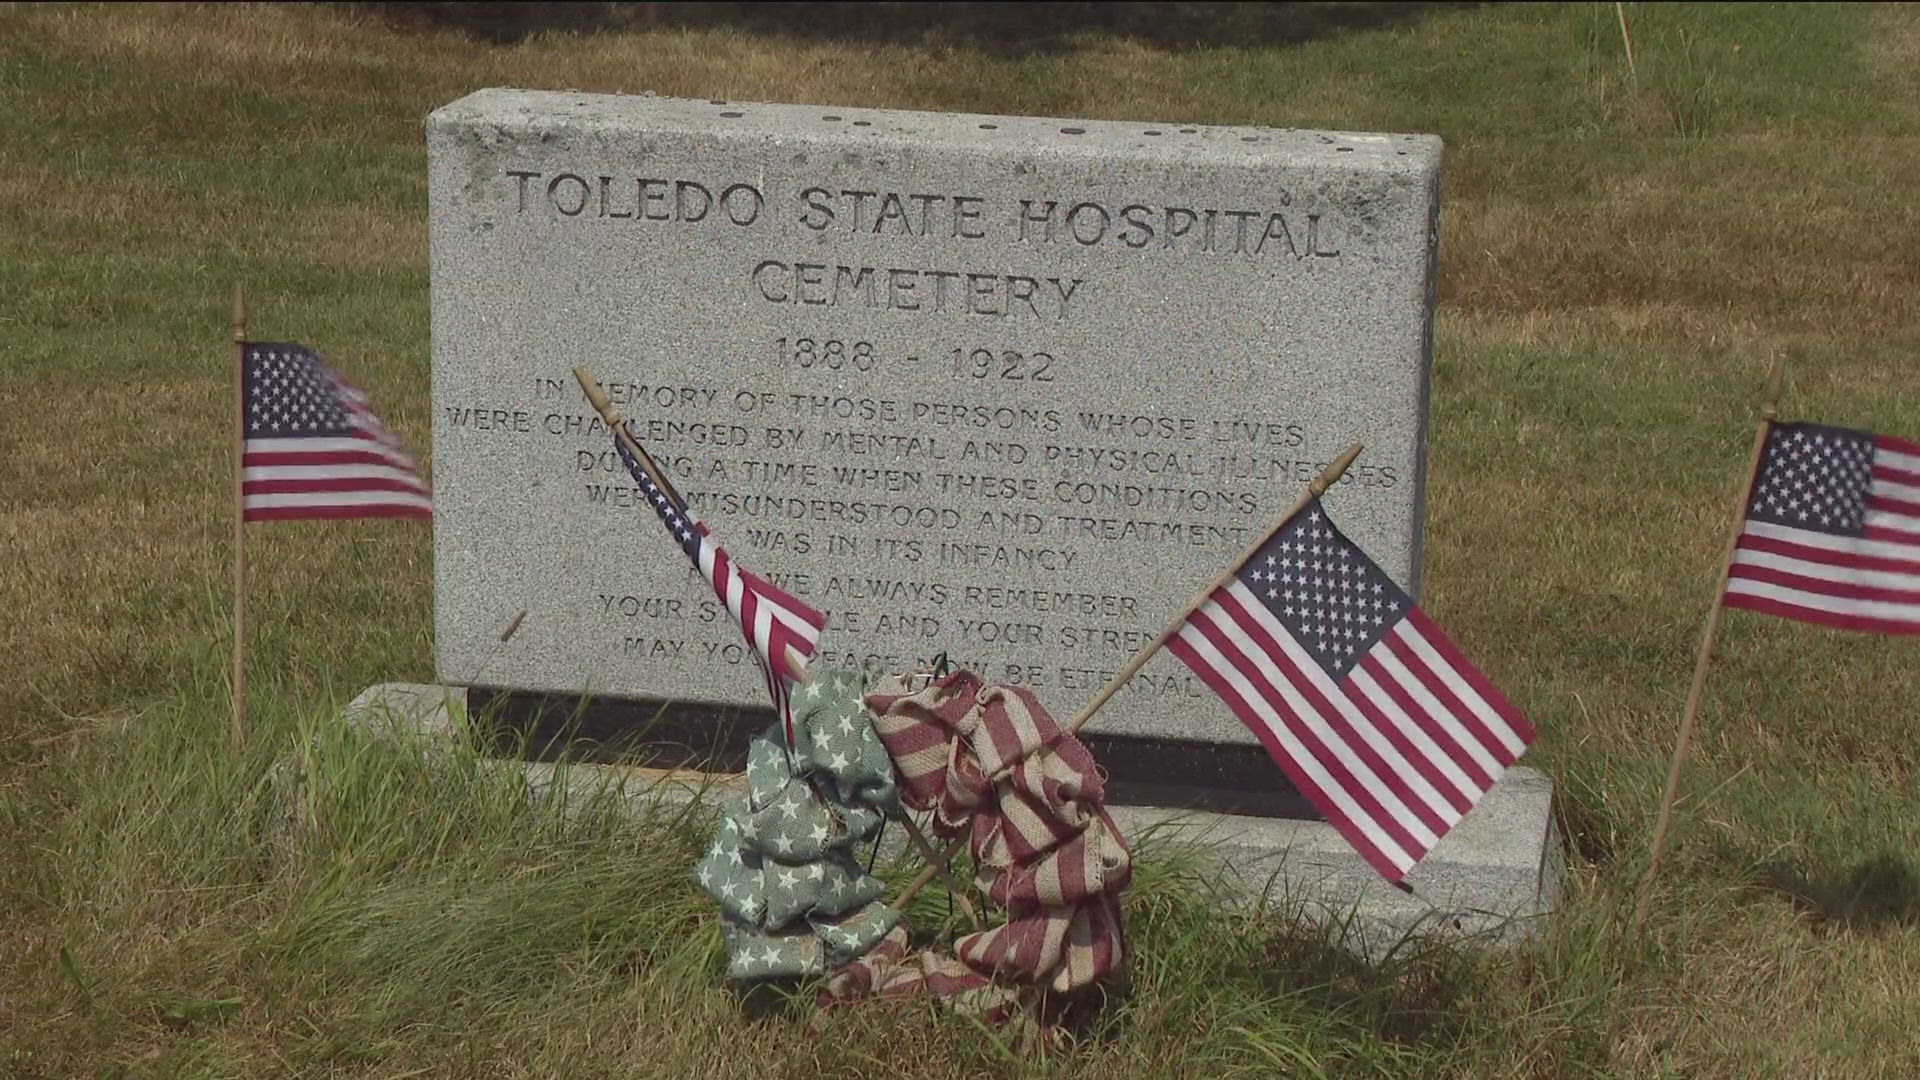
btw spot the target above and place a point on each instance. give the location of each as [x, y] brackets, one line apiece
[239, 517]
[1327, 478]
[940, 863]
[796, 663]
[605, 408]
[1776, 379]
[926, 874]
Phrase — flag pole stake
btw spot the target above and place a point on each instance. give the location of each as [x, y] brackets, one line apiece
[1327, 478]
[1776, 380]
[795, 662]
[926, 874]
[941, 864]
[239, 517]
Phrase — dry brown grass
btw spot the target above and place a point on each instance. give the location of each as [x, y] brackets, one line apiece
[1619, 261]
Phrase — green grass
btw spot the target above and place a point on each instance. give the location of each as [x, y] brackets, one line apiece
[1620, 258]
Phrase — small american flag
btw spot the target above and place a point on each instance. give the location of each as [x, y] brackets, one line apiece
[774, 621]
[1832, 533]
[312, 449]
[1369, 710]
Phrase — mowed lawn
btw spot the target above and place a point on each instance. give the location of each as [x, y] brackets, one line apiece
[1623, 251]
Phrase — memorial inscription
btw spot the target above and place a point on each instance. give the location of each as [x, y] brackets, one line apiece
[1011, 388]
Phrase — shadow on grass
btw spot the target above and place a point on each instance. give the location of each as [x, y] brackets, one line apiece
[1876, 894]
[1413, 997]
[1590, 831]
[1012, 29]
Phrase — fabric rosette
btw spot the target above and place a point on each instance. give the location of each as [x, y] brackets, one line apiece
[992, 766]
[794, 899]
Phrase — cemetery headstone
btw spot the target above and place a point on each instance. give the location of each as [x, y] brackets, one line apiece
[1008, 387]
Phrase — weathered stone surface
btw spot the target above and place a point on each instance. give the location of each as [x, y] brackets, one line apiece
[1495, 876]
[1493, 879]
[1010, 387]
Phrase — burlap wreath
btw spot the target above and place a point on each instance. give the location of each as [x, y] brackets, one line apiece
[992, 766]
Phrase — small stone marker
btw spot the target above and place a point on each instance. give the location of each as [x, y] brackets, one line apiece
[1008, 387]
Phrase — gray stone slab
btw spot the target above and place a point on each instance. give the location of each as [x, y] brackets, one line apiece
[408, 709]
[1494, 877]
[1009, 387]
[1492, 880]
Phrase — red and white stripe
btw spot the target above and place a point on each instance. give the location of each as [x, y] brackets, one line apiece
[782, 629]
[364, 474]
[1394, 753]
[993, 765]
[1870, 582]
[776, 623]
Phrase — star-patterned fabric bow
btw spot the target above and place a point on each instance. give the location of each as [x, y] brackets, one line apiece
[793, 898]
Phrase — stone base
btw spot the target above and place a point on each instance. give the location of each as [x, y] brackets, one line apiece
[1492, 879]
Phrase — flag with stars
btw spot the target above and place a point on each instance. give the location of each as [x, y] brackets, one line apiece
[782, 630]
[1366, 706]
[312, 449]
[1832, 533]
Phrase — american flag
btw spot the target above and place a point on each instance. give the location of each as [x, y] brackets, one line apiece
[312, 449]
[1832, 533]
[774, 621]
[1367, 707]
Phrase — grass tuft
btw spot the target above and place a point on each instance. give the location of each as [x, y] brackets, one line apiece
[1621, 255]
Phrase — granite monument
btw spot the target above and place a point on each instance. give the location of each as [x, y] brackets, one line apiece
[1006, 387]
